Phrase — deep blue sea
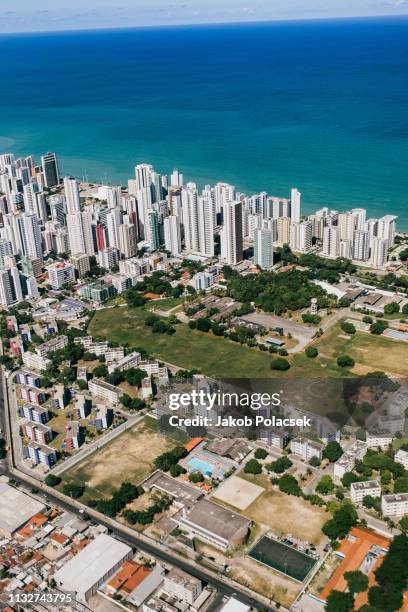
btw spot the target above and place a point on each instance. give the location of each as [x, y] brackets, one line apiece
[319, 105]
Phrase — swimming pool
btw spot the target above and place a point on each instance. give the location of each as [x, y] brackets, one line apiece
[205, 467]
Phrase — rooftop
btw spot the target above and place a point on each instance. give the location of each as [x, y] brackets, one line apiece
[216, 519]
[16, 508]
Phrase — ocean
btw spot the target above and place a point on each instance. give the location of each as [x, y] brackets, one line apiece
[320, 105]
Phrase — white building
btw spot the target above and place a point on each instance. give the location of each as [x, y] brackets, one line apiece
[92, 566]
[35, 362]
[394, 505]
[346, 462]
[231, 233]
[378, 252]
[359, 490]
[102, 389]
[295, 205]
[59, 274]
[401, 457]
[361, 245]
[172, 235]
[331, 241]
[386, 229]
[263, 248]
[10, 287]
[378, 440]
[181, 585]
[306, 448]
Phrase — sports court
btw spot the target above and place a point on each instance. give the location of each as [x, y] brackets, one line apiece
[238, 492]
[283, 558]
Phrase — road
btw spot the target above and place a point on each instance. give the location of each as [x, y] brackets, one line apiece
[160, 551]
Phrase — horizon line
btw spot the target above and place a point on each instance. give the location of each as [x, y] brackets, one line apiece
[207, 24]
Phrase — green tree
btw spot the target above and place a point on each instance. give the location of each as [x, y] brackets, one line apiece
[261, 453]
[279, 363]
[357, 582]
[345, 361]
[325, 485]
[253, 467]
[339, 602]
[311, 352]
[52, 481]
[288, 484]
[348, 328]
[332, 451]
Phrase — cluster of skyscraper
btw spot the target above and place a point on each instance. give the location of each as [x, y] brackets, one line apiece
[160, 211]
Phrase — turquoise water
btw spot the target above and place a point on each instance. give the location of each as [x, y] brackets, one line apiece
[317, 105]
[199, 465]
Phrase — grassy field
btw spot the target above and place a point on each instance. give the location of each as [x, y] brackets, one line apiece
[284, 514]
[186, 348]
[214, 356]
[129, 457]
[370, 353]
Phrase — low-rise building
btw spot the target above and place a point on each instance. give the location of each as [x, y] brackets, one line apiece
[37, 432]
[102, 389]
[39, 453]
[360, 490]
[378, 440]
[62, 395]
[401, 457]
[395, 504]
[32, 395]
[215, 525]
[346, 462]
[92, 566]
[102, 416]
[306, 448]
[128, 361]
[182, 586]
[28, 378]
[82, 407]
[74, 435]
[35, 361]
[55, 344]
[35, 413]
[16, 508]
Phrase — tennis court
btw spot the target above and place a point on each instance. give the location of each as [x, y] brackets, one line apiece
[283, 558]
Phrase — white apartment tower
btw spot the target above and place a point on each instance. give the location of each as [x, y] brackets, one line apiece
[263, 248]
[231, 234]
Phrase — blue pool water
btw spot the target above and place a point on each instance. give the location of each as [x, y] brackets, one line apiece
[199, 465]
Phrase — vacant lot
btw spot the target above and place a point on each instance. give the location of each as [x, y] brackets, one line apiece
[370, 352]
[238, 492]
[187, 348]
[285, 514]
[129, 457]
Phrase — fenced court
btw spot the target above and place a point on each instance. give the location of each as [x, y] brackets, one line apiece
[283, 558]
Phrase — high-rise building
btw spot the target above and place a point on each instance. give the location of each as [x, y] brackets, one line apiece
[231, 233]
[386, 228]
[29, 235]
[263, 248]
[127, 240]
[153, 236]
[295, 205]
[283, 230]
[206, 216]
[331, 241]
[361, 245]
[71, 189]
[172, 235]
[108, 258]
[50, 169]
[10, 287]
[378, 252]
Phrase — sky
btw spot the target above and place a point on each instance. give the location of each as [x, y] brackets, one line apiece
[43, 15]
